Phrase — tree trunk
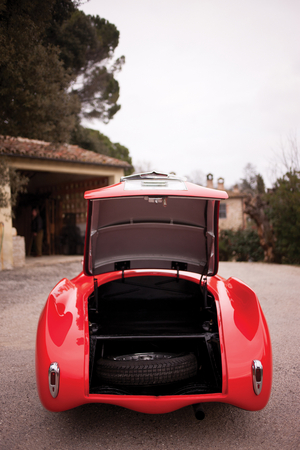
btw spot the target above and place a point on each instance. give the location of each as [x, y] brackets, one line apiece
[254, 206]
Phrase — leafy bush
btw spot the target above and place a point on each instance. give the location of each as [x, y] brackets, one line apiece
[225, 245]
[10, 177]
[241, 245]
[284, 213]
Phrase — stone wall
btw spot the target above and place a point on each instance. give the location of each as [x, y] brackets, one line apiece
[234, 214]
[6, 241]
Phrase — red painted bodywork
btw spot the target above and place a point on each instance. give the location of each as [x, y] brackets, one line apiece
[117, 190]
[63, 337]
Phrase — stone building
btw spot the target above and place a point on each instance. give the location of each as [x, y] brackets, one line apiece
[232, 214]
[58, 177]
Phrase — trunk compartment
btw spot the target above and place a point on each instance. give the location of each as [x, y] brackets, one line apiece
[155, 315]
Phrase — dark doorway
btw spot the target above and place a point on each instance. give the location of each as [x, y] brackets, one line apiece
[60, 200]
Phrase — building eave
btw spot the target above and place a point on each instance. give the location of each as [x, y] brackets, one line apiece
[67, 161]
[31, 149]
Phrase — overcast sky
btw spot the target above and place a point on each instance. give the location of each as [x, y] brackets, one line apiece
[208, 85]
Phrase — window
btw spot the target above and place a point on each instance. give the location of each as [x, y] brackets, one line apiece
[223, 213]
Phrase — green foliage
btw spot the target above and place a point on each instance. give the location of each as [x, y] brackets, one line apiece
[84, 42]
[17, 182]
[225, 246]
[33, 83]
[39, 106]
[99, 143]
[241, 245]
[276, 214]
[260, 184]
[253, 182]
[4, 181]
[284, 213]
[54, 68]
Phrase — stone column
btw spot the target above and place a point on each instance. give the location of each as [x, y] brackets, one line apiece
[6, 240]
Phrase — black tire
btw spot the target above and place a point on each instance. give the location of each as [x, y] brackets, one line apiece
[160, 368]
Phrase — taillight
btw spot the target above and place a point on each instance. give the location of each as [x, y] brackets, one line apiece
[53, 377]
[257, 376]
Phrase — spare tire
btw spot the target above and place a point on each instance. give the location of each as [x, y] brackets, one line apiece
[147, 369]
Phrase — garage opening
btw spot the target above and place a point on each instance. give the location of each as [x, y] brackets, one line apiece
[59, 198]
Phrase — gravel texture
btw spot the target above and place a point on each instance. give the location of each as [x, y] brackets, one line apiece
[25, 424]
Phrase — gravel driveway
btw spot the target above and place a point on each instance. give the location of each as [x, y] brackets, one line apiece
[25, 424]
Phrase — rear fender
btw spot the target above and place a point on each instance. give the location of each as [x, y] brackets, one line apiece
[61, 339]
[246, 338]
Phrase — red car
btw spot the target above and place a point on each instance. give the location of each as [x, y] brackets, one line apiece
[148, 324]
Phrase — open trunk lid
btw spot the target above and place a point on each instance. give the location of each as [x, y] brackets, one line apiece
[152, 221]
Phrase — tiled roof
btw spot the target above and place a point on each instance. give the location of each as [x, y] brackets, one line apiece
[30, 148]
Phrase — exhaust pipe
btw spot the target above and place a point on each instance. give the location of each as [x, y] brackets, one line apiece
[198, 411]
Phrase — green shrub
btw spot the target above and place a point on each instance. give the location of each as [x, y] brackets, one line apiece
[241, 245]
[225, 245]
[284, 213]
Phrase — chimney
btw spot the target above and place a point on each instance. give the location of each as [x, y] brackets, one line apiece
[210, 181]
[221, 184]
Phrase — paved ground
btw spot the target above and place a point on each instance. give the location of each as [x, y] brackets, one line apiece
[25, 424]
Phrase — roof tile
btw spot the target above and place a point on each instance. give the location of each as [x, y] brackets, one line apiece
[31, 148]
